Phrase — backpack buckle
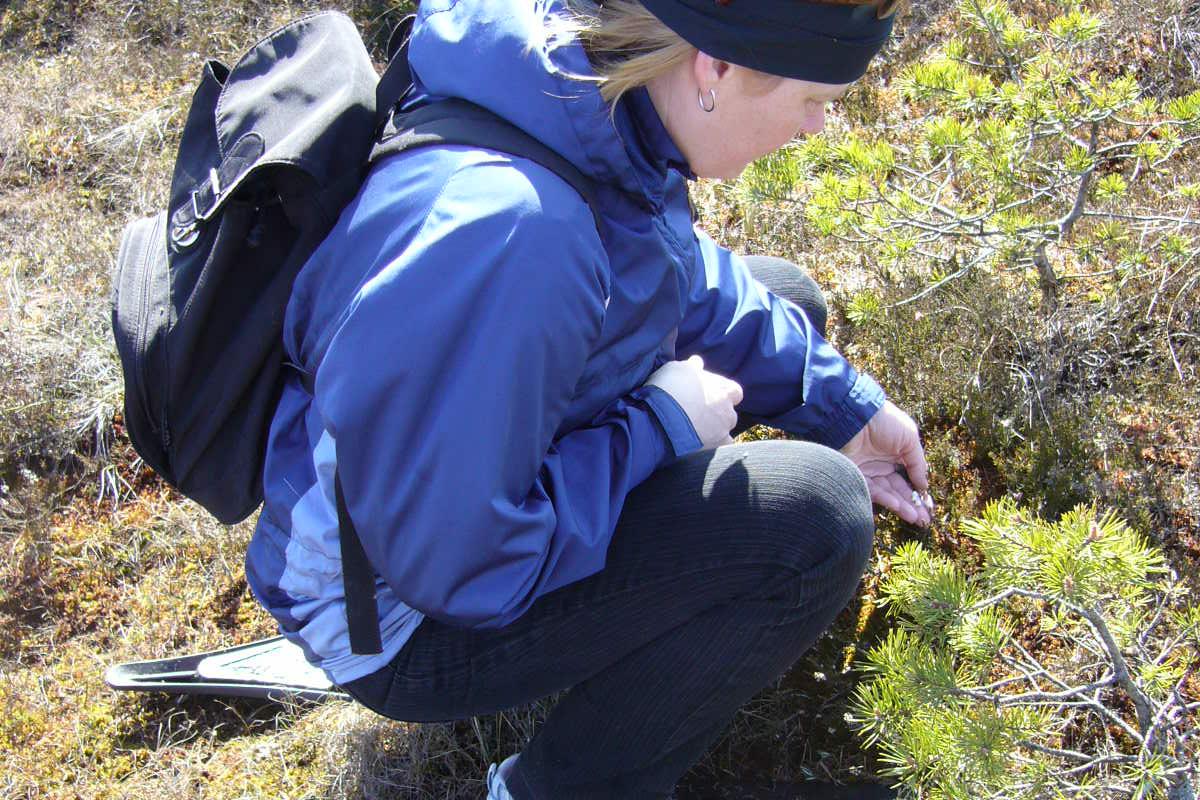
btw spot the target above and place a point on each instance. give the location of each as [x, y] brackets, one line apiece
[208, 196]
[184, 236]
[204, 207]
[185, 225]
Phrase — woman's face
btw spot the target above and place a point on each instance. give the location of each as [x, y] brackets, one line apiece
[753, 114]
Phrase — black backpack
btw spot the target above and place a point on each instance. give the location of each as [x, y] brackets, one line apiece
[271, 152]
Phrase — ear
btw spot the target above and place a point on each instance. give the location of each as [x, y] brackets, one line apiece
[707, 71]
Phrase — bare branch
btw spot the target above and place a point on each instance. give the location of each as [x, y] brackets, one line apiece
[1067, 223]
[933, 287]
[1091, 760]
[1151, 744]
[1137, 218]
[1035, 698]
[1141, 703]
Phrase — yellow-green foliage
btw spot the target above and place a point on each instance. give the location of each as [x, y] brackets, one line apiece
[1084, 557]
[965, 699]
[1013, 118]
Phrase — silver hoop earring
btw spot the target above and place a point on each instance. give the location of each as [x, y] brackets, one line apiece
[712, 93]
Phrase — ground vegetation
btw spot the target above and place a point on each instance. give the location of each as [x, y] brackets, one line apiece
[1003, 219]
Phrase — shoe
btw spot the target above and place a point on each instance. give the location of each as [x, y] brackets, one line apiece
[497, 790]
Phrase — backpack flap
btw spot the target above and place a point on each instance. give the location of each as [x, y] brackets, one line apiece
[303, 96]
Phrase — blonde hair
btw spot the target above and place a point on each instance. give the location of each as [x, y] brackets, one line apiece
[627, 45]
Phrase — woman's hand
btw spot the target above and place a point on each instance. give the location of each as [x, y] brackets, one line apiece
[888, 452]
[706, 397]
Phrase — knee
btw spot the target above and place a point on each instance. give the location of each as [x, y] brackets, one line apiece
[785, 279]
[846, 506]
[825, 509]
[811, 300]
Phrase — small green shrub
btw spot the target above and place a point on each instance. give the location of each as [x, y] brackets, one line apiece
[1064, 668]
[1024, 143]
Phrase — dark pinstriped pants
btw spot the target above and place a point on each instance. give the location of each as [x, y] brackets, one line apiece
[725, 566]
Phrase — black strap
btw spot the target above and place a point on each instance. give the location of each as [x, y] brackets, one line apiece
[362, 612]
[211, 193]
[396, 81]
[457, 121]
[454, 121]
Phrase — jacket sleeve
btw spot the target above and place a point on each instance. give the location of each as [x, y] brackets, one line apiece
[444, 386]
[792, 378]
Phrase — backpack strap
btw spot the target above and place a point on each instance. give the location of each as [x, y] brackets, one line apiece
[448, 122]
[362, 612]
[454, 121]
[459, 122]
[396, 81]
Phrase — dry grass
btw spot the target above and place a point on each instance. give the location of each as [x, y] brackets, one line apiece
[103, 565]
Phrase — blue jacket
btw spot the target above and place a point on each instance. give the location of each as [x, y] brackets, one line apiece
[479, 350]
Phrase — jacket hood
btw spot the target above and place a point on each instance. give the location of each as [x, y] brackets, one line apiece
[500, 54]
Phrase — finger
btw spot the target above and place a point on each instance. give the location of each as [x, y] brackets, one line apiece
[916, 465]
[883, 495]
[897, 495]
[917, 500]
[735, 392]
[897, 483]
[696, 361]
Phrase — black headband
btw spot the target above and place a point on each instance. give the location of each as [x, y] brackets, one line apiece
[813, 41]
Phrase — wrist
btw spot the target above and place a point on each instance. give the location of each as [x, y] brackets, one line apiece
[849, 419]
[674, 422]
